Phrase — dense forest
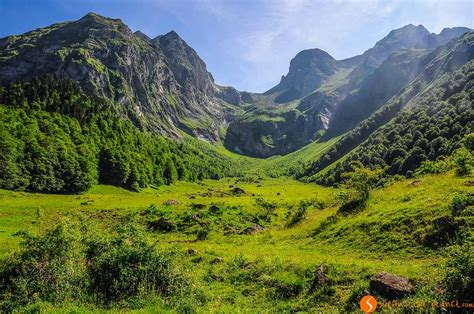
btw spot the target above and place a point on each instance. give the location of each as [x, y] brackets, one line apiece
[56, 139]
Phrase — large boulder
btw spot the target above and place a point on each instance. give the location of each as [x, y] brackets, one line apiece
[391, 286]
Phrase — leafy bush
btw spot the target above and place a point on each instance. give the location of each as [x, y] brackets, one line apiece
[49, 267]
[74, 263]
[460, 202]
[296, 213]
[459, 274]
[463, 160]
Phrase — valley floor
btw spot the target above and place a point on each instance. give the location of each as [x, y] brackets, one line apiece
[240, 269]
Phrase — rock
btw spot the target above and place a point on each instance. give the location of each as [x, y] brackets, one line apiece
[198, 206]
[320, 278]
[415, 183]
[217, 260]
[192, 197]
[191, 251]
[214, 209]
[278, 193]
[238, 191]
[162, 224]
[171, 202]
[391, 286]
[253, 229]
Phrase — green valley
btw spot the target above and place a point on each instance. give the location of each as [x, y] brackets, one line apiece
[130, 181]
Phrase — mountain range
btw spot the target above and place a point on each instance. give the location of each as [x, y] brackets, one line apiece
[163, 87]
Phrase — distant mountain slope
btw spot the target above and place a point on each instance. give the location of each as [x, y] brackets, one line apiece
[161, 84]
[321, 98]
[427, 119]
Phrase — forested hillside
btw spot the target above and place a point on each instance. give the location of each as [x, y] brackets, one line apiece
[56, 139]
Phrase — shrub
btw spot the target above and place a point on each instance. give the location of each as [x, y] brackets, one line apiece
[268, 208]
[460, 202]
[463, 160]
[124, 266]
[459, 274]
[72, 263]
[295, 216]
[48, 267]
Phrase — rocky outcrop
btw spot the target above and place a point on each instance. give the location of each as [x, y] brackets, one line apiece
[391, 286]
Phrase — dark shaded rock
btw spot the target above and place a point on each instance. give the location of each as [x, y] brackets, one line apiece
[162, 224]
[191, 251]
[198, 206]
[214, 209]
[469, 183]
[238, 191]
[255, 228]
[391, 286]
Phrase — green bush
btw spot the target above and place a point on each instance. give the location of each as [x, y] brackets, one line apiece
[126, 266]
[459, 274]
[74, 263]
[463, 160]
[48, 267]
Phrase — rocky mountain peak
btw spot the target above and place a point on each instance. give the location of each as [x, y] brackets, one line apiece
[142, 36]
[308, 70]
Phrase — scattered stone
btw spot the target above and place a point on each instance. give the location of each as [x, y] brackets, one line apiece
[415, 183]
[253, 229]
[238, 191]
[217, 260]
[320, 278]
[198, 206]
[162, 224]
[391, 286]
[171, 202]
[191, 251]
[214, 209]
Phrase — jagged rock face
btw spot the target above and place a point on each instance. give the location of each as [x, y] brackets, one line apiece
[189, 70]
[107, 59]
[307, 71]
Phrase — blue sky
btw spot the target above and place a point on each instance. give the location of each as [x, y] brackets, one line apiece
[248, 44]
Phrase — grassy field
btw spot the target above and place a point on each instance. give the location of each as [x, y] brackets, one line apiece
[269, 269]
